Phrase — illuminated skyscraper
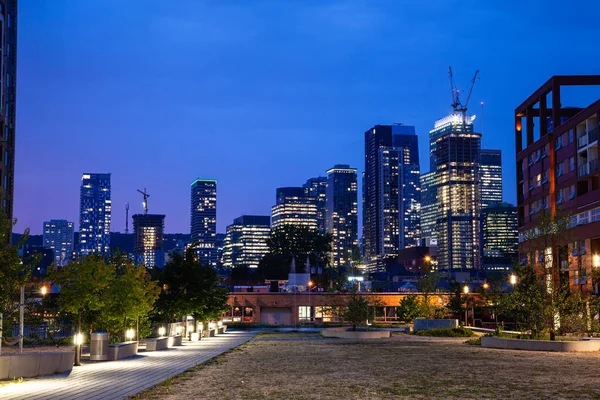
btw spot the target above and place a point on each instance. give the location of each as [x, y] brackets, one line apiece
[58, 235]
[457, 158]
[429, 209]
[148, 232]
[294, 207]
[95, 213]
[500, 231]
[316, 189]
[391, 192]
[203, 220]
[246, 241]
[8, 107]
[491, 177]
[342, 212]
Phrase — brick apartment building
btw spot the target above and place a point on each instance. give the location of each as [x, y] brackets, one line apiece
[557, 171]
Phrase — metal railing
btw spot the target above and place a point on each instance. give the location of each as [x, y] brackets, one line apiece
[582, 141]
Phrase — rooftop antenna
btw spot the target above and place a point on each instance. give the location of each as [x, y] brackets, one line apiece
[126, 218]
[145, 202]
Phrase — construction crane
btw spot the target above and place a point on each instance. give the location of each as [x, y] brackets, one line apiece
[145, 203]
[457, 106]
[126, 217]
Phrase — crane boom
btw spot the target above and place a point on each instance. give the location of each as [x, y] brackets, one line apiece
[470, 90]
[145, 203]
[452, 86]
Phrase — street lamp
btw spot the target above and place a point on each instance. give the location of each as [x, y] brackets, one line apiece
[78, 341]
[44, 290]
[466, 292]
[513, 279]
[486, 286]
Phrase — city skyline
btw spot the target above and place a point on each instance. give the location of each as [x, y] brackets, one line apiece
[273, 104]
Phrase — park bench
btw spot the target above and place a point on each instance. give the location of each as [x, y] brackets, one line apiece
[119, 351]
[157, 343]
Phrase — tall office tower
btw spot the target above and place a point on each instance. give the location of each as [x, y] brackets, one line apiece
[457, 157]
[148, 234]
[8, 111]
[203, 220]
[491, 177]
[500, 231]
[220, 246]
[95, 213]
[246, 241]
[429, 209]
[316, 189]
[342, 212]
[294, 207]
[391, 194]
[59, 236]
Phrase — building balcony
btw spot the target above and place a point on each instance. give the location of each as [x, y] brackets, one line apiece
[588, 168]
[582, 141]
[593, 136]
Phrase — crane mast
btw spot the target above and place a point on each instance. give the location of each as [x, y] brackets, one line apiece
[145, 202]
[457, 105]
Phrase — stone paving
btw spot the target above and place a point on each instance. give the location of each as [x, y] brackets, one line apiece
[118, 379]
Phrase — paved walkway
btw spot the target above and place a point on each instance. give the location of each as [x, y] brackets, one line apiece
[118, 379]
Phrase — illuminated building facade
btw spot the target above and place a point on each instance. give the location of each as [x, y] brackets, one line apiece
[316, 189]
[491, 177]
[558, 173]
[203, 219]
[294, 207]
[246, 241]
[391, 193]
[8, 90]
[429, 209]
[500, 234]
[148, 234]
[95, 214]
[458, 180]
[342, 212]
[58, 235]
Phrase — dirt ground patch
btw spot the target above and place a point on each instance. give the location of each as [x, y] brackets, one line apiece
[384, 369]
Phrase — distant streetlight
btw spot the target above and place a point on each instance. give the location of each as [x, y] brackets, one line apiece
[486, 286]
[427, 259]
[44, 290]
[466, 292]
[466, 289]
[513, 279]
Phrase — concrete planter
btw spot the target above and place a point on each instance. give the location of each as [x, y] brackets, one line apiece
[347, 333]
[194, 336]
[540, 345]
[35, 364]
[159, 343]
[119, 351]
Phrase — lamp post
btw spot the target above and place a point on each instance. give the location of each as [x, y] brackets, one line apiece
[513, 282]
[310, 285]
[78, 340]
[466, 292]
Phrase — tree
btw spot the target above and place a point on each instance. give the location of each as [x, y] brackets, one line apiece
[83, 283]
[357, 310]
[428, 284]
[190, 287]
[13, 271]
[410, 308]
[298, 242]
[130, 295]
[541, 297]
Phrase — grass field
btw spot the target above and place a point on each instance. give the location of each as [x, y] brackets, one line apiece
[304, 366]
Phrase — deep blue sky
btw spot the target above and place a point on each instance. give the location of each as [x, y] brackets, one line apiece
[262, 94]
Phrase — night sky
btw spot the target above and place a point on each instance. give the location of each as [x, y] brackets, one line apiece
[262, 94]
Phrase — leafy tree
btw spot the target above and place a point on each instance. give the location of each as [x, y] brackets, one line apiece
[190, 287]
[298, 242]
[130, 295]
[427, 285]
[541, 299]
[357, 310]
[13, 275]
[410, 308]
[83, 283]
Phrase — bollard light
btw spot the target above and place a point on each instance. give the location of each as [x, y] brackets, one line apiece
[513, 279]
[130, 334]
[78, 341]
[44, 290]
[162, 331]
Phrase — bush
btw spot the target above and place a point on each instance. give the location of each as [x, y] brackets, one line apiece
[410, 308]
[446, 332]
